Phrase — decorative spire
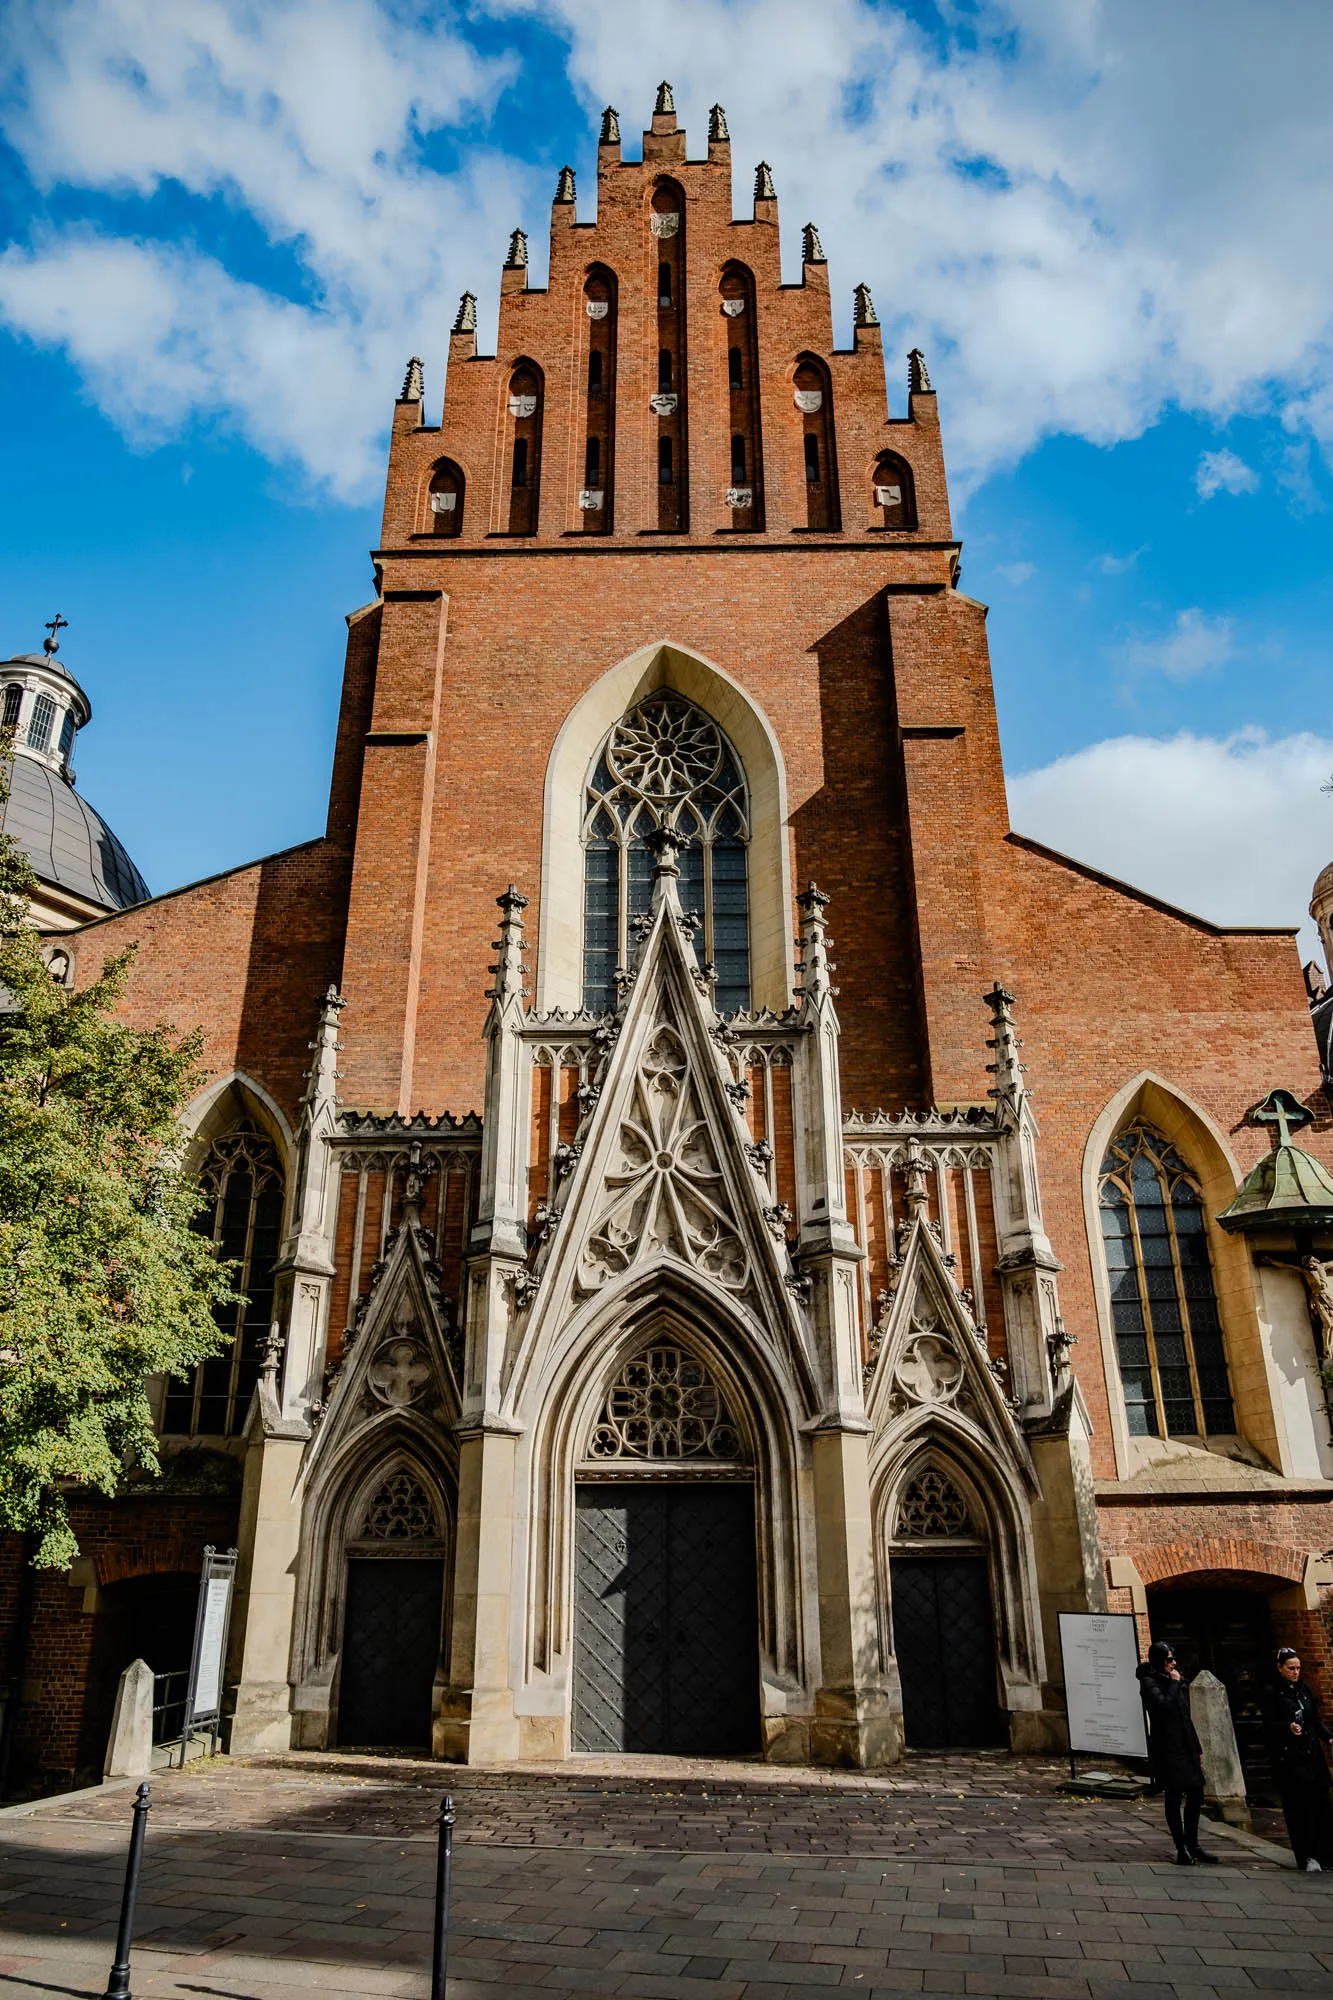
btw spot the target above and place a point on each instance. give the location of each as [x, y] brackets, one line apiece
[466, 321]
[508, 968]
[55, 626]
[322, 1077]
[764, 189]
[665, 106]
[610, 132]
[812, 250]
[1007, 1070]
[863, 307]
[815, 967]
[414, 387]
[564, 187]
[517, 260]
[717, 125]
[917, 378]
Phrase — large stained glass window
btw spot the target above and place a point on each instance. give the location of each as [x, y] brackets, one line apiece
[243, 1179]
[1173, 1364]
[667, 763]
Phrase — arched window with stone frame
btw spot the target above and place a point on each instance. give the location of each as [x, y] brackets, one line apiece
[242, 1177]
[1168, 1333]
[666, 763]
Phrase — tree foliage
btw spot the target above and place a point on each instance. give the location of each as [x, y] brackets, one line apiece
[103, 1279]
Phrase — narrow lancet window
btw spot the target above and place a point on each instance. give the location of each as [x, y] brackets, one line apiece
[745, 491]
[1173, 1365]
[444, 501]
[667, 763]
[526, 388]
[596, 498]
[666, 221]
[812, 392]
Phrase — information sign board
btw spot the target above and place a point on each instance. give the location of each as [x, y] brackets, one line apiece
[203, 1701]
[1100, 1651]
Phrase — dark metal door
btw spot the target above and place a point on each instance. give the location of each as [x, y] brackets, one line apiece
[391, 1648]
[666, 1643]
[944, 1639]
[1230, 1632]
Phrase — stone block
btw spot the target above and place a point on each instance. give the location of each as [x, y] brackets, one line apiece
[1224, 1780]
[129, 1750]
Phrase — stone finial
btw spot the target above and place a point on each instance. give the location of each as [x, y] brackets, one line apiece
[863, 307]
[610, 132]
[564, 187]
[815, 967]
[517, 260]
[916, 1179]
[764, 189]
[717, 126]
[466, 322]
[664, 844]
[665, 106]
[508, 968]
[1007, 1070]
[812, 250]
[918, 381]
[322, 1076]
[414, 387]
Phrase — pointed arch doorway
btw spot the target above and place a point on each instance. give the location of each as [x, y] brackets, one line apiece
[666, 1640]
[943, 1624]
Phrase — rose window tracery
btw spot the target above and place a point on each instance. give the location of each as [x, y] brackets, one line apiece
[401, 1511]
[665, 1404]
[932, 1507]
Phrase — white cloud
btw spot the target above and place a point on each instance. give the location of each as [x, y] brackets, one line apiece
[1222, 472]
[1086, 215]
[305, 115]
[1110, 565]
[1194, 645]
[1234, 829]
[1017, 573]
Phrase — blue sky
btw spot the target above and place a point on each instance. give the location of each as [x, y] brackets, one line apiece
[227, 226]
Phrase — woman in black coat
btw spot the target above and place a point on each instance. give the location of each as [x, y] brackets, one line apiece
[1296, 1737]
[1175, 1756]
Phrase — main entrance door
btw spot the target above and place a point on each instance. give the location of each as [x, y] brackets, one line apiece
[666, 1644]
[944, 1639]
[391, 1648]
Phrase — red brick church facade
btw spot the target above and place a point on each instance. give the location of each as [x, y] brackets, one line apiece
[637, 1231]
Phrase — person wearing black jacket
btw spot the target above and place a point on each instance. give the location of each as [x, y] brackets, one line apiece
[1296, 1735]
[1175, 1755]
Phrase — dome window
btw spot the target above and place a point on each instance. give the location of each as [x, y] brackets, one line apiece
[67, 734]
[13, 703]
[41, 723]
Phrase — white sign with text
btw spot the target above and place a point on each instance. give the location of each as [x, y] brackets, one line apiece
[1101, 1655]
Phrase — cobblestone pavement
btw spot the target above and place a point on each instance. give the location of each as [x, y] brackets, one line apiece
[953, 1876]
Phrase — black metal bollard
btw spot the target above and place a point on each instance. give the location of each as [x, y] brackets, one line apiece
[444, 1868]
[118, 1985]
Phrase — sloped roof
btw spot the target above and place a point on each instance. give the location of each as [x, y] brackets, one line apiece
[68, 843]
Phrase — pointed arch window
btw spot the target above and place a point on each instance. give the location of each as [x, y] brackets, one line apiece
[242, 1178]
[667, 763]
[1173, 1364]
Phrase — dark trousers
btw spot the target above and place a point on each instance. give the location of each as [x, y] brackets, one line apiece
[1309, 1823]
[1182, 1814]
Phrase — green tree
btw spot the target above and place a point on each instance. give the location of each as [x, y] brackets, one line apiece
[103, 1279]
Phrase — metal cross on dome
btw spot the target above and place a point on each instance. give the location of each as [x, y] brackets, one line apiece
[1282, 1109]
[55, 626]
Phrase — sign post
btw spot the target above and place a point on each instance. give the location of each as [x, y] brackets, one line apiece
[1100, 1651]
[203, 1696]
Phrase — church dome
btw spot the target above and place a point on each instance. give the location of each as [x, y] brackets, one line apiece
[69, 844]
[72, 849]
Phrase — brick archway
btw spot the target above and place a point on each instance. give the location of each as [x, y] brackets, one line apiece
[1173, 1560]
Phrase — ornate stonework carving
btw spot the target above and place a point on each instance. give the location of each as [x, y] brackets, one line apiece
[932, 1507]
[667, 1192]
[930, 1369]
[399, 1370]
[665, 1404]
[401, 1511]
